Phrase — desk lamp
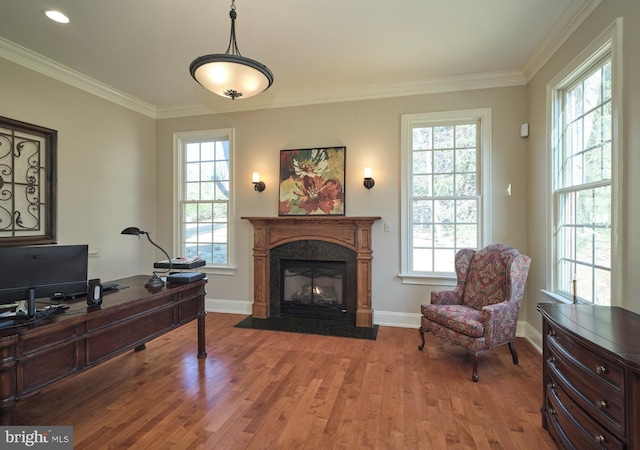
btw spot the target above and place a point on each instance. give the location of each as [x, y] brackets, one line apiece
[154, 281]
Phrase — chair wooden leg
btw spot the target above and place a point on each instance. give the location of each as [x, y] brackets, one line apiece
[421, 330]
[514, 355]
[474, 375]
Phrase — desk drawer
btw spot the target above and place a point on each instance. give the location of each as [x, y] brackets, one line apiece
[39, 339]
[593, 362]
[108, 342]
[577, 425]
[40, 369]
[602, 399]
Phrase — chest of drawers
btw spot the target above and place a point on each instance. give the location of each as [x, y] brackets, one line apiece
[591, 376]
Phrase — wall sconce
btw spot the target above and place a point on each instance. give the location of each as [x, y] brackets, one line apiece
[257, 184]
[368, 181]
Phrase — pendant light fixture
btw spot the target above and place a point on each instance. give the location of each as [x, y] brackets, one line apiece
[230, 74]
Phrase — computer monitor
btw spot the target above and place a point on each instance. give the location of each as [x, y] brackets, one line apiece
[28, 273]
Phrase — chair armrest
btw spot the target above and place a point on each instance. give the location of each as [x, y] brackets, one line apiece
[445, 298]
[499, 321]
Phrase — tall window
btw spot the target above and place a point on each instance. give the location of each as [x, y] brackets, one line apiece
[586, 173]
[584, 170]
[443, 193]
[204, 192]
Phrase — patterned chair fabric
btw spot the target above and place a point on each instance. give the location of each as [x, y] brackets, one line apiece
[482, 311]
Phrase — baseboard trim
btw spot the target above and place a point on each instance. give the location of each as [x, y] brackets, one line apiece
[227, 306]
[383, 318]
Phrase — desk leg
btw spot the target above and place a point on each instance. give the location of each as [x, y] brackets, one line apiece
[9, 351]
[8, 413]
[202, 352]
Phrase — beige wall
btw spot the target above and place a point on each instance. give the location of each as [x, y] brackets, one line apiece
[371, 132]
[599, 20]
[106, 167]
[116, 169]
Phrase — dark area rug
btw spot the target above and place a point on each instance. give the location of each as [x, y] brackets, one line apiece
[310, 326]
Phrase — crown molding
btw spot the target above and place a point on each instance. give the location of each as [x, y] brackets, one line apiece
[567, 24]
[573, 17]
[454, 83]
[52, 69]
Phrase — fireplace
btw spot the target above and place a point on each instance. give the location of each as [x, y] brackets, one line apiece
[310, 254]
[313, 289]
[321, 238]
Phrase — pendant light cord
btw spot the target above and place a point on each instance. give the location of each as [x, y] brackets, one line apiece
[233, 46]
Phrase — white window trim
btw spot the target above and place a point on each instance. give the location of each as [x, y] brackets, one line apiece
[609, 41]
[179, 140]
[407, 120]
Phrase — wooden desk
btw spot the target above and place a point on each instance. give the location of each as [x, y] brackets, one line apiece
[35, 356]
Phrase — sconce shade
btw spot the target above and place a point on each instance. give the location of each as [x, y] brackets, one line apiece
[257, 184]
[154, 281]
[230, 74]
[368, 181]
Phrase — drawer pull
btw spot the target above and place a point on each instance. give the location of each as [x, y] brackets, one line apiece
[601, 369]
[601, 404]
[551, 411]
[552, 359]
[600, 439]
[551, 385]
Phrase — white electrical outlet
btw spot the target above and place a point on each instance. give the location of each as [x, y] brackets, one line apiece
[387, 228]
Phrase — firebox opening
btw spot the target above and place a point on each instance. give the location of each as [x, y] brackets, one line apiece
[313, 289]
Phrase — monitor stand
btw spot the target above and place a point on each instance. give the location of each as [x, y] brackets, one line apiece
[31, 303]
[15, 319]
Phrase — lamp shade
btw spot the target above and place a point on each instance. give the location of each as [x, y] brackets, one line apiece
[155, 281]
[231, 76]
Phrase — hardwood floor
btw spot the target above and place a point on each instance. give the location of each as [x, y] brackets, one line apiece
[270, 390]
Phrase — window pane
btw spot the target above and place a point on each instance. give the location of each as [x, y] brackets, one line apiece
[466, 185]
[444, 235]
[443, 137]
[422, 211]
[423, 260]
[422, 186]
[465, 136]
[422, 162]
[422, 138]
[444, 260]
[423, 235]
[466, 160]
[443, 185]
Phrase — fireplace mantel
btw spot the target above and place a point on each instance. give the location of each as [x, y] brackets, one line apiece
[351, 232]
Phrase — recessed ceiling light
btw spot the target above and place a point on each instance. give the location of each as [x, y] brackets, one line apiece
[56, 16]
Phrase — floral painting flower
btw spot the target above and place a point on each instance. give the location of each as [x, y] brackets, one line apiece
[312, 181]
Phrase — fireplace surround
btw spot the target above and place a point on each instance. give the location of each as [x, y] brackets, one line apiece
[352, 233]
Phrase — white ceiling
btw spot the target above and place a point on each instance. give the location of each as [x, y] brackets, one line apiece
[318, 50]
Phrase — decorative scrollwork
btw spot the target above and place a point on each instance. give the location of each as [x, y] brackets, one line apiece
[27, 183]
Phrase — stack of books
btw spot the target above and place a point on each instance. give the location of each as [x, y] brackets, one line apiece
[181, 264]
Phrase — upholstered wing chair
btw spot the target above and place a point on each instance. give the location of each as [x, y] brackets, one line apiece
[482, 311]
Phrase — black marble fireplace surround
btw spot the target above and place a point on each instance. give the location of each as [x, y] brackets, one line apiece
[313, 250]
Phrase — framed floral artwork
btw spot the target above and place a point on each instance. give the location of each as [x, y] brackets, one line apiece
[312, 181]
